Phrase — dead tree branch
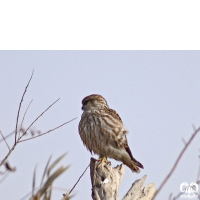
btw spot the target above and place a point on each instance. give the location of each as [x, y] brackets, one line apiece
[196, 131]
[79, 179]
[5, 140]
[24, 117]
[18, 139]
[38, 118]
[20, 106]
[48, 130]
[138, 191]
[106, 181]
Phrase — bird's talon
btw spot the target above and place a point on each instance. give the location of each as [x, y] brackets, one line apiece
[101, 160]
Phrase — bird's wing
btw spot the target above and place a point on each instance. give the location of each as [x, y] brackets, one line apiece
[114, 114]
[119, 137]
[112, 127]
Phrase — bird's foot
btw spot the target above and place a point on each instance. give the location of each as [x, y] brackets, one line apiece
[103, 159]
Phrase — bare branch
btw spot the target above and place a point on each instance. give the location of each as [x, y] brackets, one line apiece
[24, 117]
[2, 162]
[20, 107]
[79, 179]
[7, 136]
[140, 192]
[5, 140]
[38, 118]
[48, 131]
[177, 161]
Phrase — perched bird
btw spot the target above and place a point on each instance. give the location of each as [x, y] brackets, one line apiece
[103, 133]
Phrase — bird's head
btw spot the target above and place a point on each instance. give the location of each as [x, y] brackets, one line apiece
[94, 101]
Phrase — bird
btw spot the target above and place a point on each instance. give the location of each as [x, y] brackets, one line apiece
[103, 133]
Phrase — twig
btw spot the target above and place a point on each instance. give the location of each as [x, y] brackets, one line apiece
[78, 179]
[38, 118]
[177, 161]
[7, 136]
[5, 140]
[24, 134]
[2, 162]
[20, 107]
[24, 117]
[48, 131]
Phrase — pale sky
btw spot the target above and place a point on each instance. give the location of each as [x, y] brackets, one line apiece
[156, 93]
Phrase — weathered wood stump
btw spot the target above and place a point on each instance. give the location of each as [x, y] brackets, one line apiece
[106, 181]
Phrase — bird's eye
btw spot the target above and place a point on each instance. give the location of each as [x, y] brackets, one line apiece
[85, 102]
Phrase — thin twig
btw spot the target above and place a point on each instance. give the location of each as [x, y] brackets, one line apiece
[7, 136]
[5, 140]
[20, 107]
[24, 117]
[48, 131]
[177, 161]
[38, 118]
[2, 162]
[78, 179]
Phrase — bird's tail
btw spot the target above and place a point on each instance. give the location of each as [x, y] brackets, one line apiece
[135, 166]
[132, 163]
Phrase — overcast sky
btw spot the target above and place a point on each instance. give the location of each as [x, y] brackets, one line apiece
[156, 93]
